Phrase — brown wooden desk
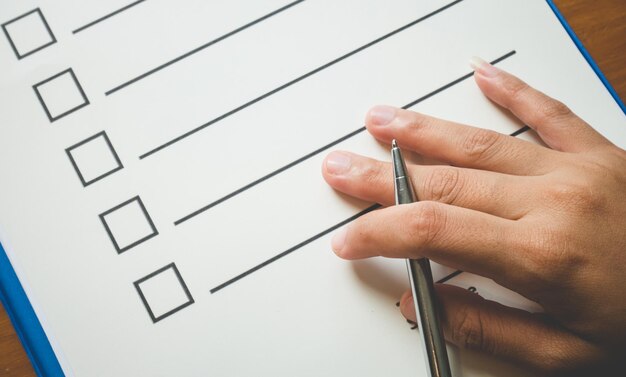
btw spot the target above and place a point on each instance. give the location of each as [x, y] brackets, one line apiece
[600, 24]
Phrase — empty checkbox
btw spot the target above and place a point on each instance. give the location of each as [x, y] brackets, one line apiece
[28, 33]
[128, 224]
[94, 158]
[163, 292]
[61, 95]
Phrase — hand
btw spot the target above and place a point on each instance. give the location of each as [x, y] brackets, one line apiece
[548, 223]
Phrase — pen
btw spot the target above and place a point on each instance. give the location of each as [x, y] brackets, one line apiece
[421, 279]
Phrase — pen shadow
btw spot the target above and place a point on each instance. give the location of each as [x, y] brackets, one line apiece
[381, 277]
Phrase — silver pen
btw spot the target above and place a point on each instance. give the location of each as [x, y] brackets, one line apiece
[421, 279]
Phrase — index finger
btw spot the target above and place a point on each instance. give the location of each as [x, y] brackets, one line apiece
[460, 145]
[457, 237]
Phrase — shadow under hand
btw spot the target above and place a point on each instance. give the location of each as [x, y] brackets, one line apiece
[386, 277]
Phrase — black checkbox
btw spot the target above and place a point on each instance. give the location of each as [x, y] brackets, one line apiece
[128, 224]
[61, 95]
[28, 33]
[163, 292]
[94, 158]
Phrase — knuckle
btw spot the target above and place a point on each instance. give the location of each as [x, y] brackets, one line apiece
[479, 145]
[577, 197]
[470, 331]
[417, 122]
[560, 247]
[426, 223]
[443, 185]
[515, 89]
[549, 108]
[550, 247]
[373, 174]
[570, 357]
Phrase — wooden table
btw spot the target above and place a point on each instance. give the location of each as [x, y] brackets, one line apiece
[600, 24]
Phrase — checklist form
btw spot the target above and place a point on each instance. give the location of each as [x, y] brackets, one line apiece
[146, 247]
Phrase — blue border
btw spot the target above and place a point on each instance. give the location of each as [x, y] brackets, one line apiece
[25, 321]
[587, 56]
[23, 316]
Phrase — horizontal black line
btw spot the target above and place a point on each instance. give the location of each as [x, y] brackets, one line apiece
[294, 81]
[270, 175]
[323, 148]
[449, 276]
[350, 219]
[453, 83]
[294, 248]
[325, 232]
[107, 16]
[200, 48]
[520, 131]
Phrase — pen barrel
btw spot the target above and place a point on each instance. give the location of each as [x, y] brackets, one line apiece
[403, 187]
[404, 191]
[428, 321]
[421, 277]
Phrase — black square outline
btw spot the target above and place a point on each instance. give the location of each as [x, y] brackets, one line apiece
[45, 23]
[75, 165]
[119, 250]
[43, 103]
[182, 284]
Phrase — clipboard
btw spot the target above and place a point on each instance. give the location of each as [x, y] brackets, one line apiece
[27, 324]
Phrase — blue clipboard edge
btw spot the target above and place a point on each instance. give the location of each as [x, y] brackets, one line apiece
[586, 54]
[25, 321]
[22, 314]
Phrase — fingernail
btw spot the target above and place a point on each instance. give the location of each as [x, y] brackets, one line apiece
[482, 67]
[339, 240]
[337, 163]
[381, 115]
[406, 305]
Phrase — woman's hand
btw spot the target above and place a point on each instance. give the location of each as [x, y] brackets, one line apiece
[547, 223]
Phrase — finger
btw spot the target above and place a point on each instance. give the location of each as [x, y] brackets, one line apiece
[457, 237]
[458, 144]
[372, 180]
[555, 123]
[470, 321]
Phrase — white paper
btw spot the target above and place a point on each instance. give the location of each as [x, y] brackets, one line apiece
[307, 313]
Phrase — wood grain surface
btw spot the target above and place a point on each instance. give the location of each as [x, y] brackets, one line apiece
[600, 24]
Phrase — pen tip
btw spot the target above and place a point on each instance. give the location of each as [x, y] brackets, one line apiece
[394, 144]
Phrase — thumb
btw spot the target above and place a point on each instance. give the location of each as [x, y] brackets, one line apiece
[531, 340]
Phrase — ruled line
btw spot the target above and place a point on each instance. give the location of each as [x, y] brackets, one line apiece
[296, 80]
[449, 276]
[200, 48]
[107, 16]
[325, 147]
[520, 131]
[268, 176]
[344, 222]
[293, 248]
[323, 233]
